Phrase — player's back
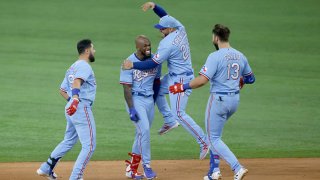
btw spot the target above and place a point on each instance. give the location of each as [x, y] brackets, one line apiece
[230, 66]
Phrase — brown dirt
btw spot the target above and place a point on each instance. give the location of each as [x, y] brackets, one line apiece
[259, 169]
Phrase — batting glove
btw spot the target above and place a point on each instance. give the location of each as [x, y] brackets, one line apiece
[176, 88]
[241, 83]
[73, 107]
[133, 114]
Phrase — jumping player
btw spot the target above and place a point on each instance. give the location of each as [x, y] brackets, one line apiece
[138, 93]
[79, 89]
[174, 47]
[224, 69]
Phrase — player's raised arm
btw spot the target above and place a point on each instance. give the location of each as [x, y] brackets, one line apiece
[156, 8]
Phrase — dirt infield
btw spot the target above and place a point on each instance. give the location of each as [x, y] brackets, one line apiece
[259, 169]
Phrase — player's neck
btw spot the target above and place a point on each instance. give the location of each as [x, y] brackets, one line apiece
[84, 57]
[140, 56]
[224, 45]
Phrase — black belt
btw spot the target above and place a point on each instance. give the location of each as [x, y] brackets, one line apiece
[140, 94]
[187, 73]
[227, 93]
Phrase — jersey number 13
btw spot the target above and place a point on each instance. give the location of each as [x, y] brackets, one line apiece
[233, 70]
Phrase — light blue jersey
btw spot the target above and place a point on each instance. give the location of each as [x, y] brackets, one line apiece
[80, 69]
[175, 48]
[224, 68]
[142, 81]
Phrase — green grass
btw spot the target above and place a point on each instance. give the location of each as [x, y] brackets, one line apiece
[278, 115]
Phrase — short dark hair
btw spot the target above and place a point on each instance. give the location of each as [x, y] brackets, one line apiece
[83, 45]
[222, 32]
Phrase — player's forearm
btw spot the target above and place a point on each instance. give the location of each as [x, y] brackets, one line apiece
[64, 95]
[159, 11]
[76, 88]
[127, 90]
[144, 65]
[249, 79]
[196, 83]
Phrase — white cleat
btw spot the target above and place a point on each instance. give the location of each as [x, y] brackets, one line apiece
[240, 174]
[214, 176]
[52, 176]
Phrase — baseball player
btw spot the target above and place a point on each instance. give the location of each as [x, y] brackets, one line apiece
[224, 69]
[174, 47]
[79, 89]
[138, 92]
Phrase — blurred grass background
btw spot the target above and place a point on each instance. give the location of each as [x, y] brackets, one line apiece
[278, 115]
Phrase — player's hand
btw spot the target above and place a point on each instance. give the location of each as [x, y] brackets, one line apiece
[133, 114]
[126, 65]
[176, 88]
[241, 83]
[148, 5]
[73, 107]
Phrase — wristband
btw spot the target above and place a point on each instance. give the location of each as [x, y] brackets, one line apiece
[68, 99]
[75, 91]
[186, 86]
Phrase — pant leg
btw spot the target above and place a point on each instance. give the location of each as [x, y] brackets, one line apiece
[217, 113]
[84, 123]
[142, 139]
[178, 105]
[70, 139]
[162, 103]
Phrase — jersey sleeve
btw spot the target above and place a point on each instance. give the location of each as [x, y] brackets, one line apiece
[64, 85]
[210, 67]
[158, 75]
[126, 77]
[83, 71]
[162, 54]
[246, 69]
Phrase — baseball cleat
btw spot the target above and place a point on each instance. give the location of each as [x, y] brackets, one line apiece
[133, 174]
[166, 128]
[214, 176]
[148, 172]
[49, 175]
[204, 150]
[240, 174]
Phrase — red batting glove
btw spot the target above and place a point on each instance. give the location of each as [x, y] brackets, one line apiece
[73, 107]
[177, 88]
[241, 83]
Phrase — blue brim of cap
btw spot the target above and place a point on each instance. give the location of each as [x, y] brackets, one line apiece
[158, 26]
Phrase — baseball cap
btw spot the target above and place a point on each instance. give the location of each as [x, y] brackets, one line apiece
[167, 22]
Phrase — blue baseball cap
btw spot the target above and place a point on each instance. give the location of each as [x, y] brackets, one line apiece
[167, 22]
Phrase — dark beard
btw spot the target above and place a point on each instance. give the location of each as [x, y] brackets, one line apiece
[216, 46]
[91, 57]
[146, 56]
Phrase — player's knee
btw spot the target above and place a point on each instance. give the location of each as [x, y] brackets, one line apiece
[179, 114]
[215, 139]
[145, 131]
[69, 143]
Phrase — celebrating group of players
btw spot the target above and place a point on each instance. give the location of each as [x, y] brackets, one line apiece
[227, 70]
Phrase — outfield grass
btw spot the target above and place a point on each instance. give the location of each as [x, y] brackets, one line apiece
[278, 115]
